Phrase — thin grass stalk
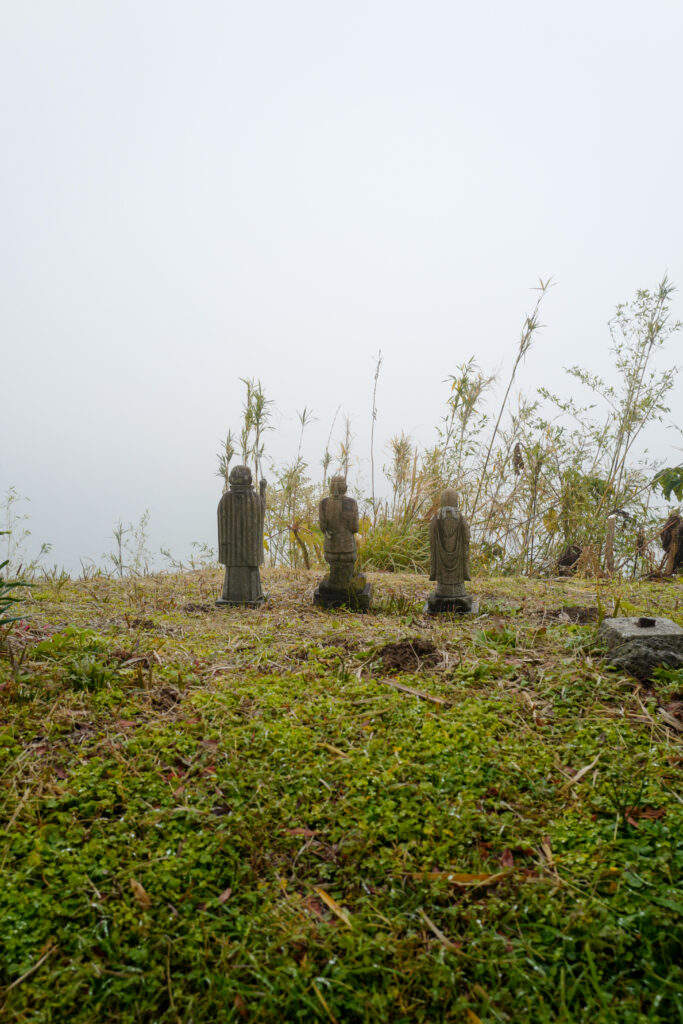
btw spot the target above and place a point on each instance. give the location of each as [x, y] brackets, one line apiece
[372, 437]
[531, 325]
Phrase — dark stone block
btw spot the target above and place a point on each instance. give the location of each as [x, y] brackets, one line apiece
[355, 600]
[467, 605]
[640, 659]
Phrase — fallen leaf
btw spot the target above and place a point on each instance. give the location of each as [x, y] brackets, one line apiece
[140, 894]
[333, 905]
[315, 907]
[547, 850]
[240, 1005]
[225, 895]
[506, 859]
[651, 813]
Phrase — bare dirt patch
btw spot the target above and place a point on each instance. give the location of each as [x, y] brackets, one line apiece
[409, 655]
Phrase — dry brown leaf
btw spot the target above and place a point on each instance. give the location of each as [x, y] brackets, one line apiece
[225, 895]
[315, 907]
[240, 1005]
[140, 894]
[333, 905]
[652, 813]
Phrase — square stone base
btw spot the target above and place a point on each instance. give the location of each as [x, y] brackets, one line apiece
[639, 646]
[222, 603]
[355, 600]
[656, 632]
[466, 605]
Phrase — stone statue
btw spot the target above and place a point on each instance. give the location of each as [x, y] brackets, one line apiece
[449, 543]
[240, 539]
[338, 516]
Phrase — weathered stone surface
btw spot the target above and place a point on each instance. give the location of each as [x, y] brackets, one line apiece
[241, 515]
[436, 605]
[357, 599]
[640, 659]
[342, 586]
[449, 545]
[625, 628]
[640, 645]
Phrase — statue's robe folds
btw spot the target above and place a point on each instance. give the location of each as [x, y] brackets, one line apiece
[240, 545]
[338, 517]
[449, 541]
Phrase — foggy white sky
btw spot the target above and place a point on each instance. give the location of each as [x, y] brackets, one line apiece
[195, 192]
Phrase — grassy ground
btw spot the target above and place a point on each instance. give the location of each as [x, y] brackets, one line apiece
[266, 815]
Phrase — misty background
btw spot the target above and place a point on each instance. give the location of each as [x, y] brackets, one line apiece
[194, 193]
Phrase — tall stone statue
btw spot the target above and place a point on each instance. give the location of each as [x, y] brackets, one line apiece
[338, 516]
[449, 543]
[241, 514]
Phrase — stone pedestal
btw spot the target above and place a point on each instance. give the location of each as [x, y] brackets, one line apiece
[640, 645]
[242, 586]
[221, 603]
[357, 598]
[437, 604]
[451, 597]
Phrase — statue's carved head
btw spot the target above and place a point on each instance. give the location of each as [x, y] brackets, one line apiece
[337, 486]
[240, 478]
[449, 498]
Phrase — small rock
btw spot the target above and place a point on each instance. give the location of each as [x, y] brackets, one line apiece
[640, 659]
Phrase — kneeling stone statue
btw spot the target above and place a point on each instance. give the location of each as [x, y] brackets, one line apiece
[338, 516]
[449, 543]
[241, 513]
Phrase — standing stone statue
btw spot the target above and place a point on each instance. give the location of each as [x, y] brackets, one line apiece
[241, 513]
[338, 516]
[449, 543]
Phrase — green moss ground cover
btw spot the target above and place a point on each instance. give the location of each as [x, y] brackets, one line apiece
[251, 815]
